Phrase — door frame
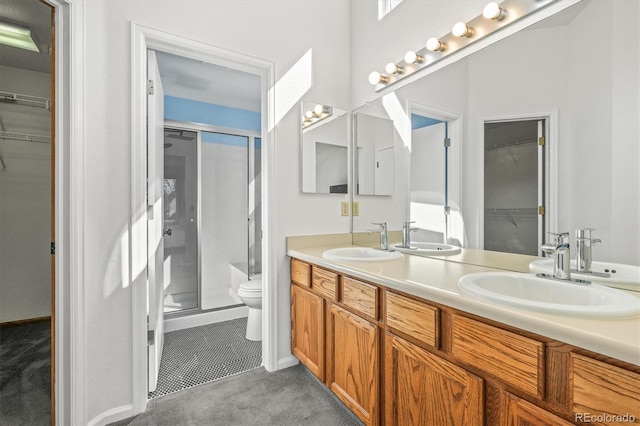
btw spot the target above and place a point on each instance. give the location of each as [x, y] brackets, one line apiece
[68, 303]
[144, 38]
[551, 162]
[453, 216]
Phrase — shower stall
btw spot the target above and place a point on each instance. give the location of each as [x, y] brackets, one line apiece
[212, 216]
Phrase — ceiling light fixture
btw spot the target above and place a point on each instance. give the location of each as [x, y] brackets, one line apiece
[461, 29]
[17, 36]
[435, 45]
[494, 12]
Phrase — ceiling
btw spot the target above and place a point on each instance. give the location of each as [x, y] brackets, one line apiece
[37, 16]
[196, 80]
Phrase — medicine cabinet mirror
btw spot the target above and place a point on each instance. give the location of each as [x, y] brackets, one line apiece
[375, 139]
[324, 150]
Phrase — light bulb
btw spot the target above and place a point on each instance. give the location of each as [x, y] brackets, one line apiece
[494, 12]
[435, 45]
[412, 57]
[318, 109]
[461, 29]
[308, 115]
[392, 68]
[375, 78]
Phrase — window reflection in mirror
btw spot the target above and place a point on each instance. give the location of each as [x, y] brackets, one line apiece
[325, 139]
[374, 151]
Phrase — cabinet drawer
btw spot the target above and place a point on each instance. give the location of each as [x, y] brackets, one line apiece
[413, 318]
[598, 389]
[324, 282]
[513, 359]
[361, 297]
[300, 273]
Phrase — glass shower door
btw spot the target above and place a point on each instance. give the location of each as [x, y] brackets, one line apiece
[181, 290]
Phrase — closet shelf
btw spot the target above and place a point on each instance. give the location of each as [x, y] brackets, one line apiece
[526, 211]
[24, 137]
[25, 100]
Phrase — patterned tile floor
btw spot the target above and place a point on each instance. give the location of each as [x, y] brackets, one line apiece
[197, 355]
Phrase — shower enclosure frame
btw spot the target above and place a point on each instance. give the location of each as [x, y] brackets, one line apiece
[198, 128]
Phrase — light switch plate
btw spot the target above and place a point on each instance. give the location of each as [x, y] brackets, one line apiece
[356, 208]
[344, 208]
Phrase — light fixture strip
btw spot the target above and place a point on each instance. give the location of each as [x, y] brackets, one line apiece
[516, 10]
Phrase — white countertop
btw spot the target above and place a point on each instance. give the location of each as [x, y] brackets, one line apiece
[436, 279]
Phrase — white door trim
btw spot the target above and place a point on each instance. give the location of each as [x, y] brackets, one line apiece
[144, 38]
[69, 304]
[551, 178]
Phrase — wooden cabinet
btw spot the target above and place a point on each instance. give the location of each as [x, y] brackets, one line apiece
[515, 411]
[352, 362]
[607, 394]
[398, 359]
[307, 329]
[423, 389]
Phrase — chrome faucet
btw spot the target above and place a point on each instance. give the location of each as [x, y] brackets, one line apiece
[406, 234]
[583, 249]
[384, 238]
[561, 256]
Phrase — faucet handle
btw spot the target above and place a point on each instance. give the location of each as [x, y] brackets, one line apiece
[559, 237]
[407, 223]
[383, 225]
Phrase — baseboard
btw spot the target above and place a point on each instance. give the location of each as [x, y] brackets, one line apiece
[286, 362]
[113, 415]
[24, 321]
[204, 318]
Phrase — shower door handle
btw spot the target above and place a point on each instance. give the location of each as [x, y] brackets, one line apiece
[167, 231]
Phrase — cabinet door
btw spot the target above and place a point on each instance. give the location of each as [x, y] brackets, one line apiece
[307, 329]
[352, 362]
[515, 411]
[424, 389]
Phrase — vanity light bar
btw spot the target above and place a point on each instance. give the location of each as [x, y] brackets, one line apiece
[494, 17]
[319, 112]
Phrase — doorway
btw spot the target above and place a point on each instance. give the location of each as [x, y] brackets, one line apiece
[217, 127]
[27, 216]
[514, 185]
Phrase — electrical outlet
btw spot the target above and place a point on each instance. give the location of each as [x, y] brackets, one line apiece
[356, 208]
[344, 208]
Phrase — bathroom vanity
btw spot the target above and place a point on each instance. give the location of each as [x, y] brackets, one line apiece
[399, 344]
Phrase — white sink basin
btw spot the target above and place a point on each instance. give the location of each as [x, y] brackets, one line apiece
[622, 276]
[429, 249]
[528, 291]
[360, 254]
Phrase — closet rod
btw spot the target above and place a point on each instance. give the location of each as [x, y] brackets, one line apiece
[26, 100]
[24, 137]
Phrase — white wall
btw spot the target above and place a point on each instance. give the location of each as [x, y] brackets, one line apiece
[278, 31]
[25, 201]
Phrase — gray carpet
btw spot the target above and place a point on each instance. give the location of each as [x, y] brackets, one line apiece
[25, 374]
[286, 397]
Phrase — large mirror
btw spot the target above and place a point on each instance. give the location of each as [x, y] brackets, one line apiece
[375, 139]
[572, 79]
[325, 152]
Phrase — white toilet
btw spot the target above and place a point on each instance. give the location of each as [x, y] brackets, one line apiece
[250, 292]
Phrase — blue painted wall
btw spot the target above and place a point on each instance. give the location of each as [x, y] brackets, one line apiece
[418, 121]
[217, 115]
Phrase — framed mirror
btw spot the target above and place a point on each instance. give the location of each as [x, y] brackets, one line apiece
[324, 149]
[374, 143]
[544, 72]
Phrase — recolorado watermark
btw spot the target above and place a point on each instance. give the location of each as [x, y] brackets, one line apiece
[604, 418]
